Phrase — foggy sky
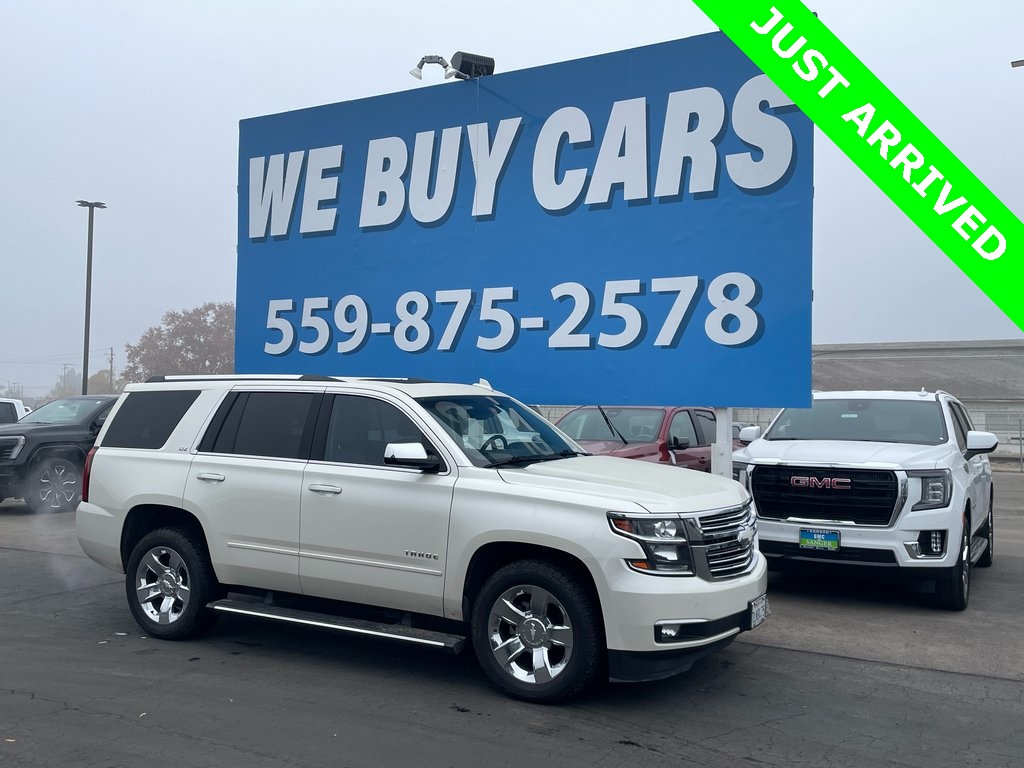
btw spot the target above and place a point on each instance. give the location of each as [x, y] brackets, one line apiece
[137, 105]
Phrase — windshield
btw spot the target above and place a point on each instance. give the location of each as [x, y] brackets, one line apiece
[69, 411]
[634, 424]
[882, 421]
[497, 430]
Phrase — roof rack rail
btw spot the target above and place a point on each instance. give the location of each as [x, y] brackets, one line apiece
[240, 377]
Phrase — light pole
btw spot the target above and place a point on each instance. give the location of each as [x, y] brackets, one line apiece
[88, 292]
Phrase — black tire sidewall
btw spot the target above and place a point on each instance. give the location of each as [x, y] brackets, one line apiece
[31, 491]
[202, 585]
[583, 616]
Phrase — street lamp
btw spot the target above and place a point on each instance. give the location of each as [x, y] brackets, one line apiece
[92, 206]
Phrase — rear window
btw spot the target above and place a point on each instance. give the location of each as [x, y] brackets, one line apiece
[146, 419]
[7, 414]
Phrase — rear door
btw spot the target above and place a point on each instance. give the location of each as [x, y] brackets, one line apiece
[245, 483]
[373, 533]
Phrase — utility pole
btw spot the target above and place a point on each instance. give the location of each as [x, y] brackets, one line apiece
[92, 206]
[64, 380]
[111, 358]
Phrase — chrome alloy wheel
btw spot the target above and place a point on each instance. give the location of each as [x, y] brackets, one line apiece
[162, 585]
[530, 634]
[58, 485]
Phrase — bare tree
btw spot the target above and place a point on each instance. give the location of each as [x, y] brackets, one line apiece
[200, 340]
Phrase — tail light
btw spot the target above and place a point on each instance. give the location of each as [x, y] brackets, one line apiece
[86, 473]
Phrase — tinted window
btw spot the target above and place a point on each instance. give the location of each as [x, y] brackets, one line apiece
[680, 431]
[884, 421]
[7, 414]
[361, 428]
[146, 419]
[708, 426]
[958, 428]
[269, 424]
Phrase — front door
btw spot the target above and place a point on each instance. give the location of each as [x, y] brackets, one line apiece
[372, 533]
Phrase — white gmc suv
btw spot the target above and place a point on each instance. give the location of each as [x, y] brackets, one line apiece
[886, 480]
[454, 508]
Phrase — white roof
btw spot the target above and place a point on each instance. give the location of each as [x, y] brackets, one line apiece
[877, 394]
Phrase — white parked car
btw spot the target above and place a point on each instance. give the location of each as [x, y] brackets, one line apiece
[894, 480]
[11, 410]
[456, 507]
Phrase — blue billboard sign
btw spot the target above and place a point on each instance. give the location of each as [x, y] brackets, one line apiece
[627, 228]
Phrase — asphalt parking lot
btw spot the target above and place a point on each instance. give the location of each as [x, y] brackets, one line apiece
[845, 673]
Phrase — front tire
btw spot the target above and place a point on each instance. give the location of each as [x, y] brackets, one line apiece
[953, 588]
[536, 632]
[53, 485]
[985, 561]
[168, 582]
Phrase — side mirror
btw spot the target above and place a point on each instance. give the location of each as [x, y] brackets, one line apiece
[749, 434]
[680, 444]
[411, 455]
[97, 425]
[979, 443]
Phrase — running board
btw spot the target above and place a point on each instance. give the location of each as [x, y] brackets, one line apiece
[398, 632]
[978, 546]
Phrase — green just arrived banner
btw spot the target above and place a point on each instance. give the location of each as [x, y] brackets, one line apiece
[896, 150]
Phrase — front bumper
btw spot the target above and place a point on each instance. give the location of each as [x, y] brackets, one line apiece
[712, 613]
[864, 546]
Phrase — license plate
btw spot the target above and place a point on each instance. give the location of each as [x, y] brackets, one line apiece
[758, 610]
[814, 538]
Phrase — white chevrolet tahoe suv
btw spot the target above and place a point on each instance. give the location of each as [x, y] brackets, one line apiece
[891, 480]
[454, 507]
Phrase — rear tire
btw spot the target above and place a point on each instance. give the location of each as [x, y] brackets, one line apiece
[168, 583]
[953, 588]
[536, 632]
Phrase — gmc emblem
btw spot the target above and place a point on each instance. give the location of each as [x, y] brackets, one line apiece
[835, 483]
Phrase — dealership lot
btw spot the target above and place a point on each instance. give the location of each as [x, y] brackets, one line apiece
[843, 673]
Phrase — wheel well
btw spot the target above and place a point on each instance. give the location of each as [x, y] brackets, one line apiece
[148, 517]
[69, 452]
[491, 557]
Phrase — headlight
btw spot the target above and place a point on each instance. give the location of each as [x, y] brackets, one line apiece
[741, 473]
[10, 447]
[936, 488]
[663, 540]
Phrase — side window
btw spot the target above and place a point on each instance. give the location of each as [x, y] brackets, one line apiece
[958, 427]
[7, 414]
[680, 432]
[274, 424]
[957, 408]
[360, 428]
[708, 426]
[146, 419]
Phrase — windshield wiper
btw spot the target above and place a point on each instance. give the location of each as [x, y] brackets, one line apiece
[566, 454]
[611, 426]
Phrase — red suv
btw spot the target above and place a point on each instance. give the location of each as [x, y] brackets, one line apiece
[666, 434]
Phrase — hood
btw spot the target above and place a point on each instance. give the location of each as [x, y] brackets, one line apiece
[657, 488]
[616, 448]
[842, 453]
[23, 428]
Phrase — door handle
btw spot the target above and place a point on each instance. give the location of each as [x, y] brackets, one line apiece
[213, 477]
[321, 488]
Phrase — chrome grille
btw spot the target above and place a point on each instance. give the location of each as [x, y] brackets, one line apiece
[728, 539]
[7, 448]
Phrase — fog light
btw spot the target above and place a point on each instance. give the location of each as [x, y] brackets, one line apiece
[666, 633]
[932, 543]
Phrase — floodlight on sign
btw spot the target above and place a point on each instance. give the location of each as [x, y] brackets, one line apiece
[470, 65]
